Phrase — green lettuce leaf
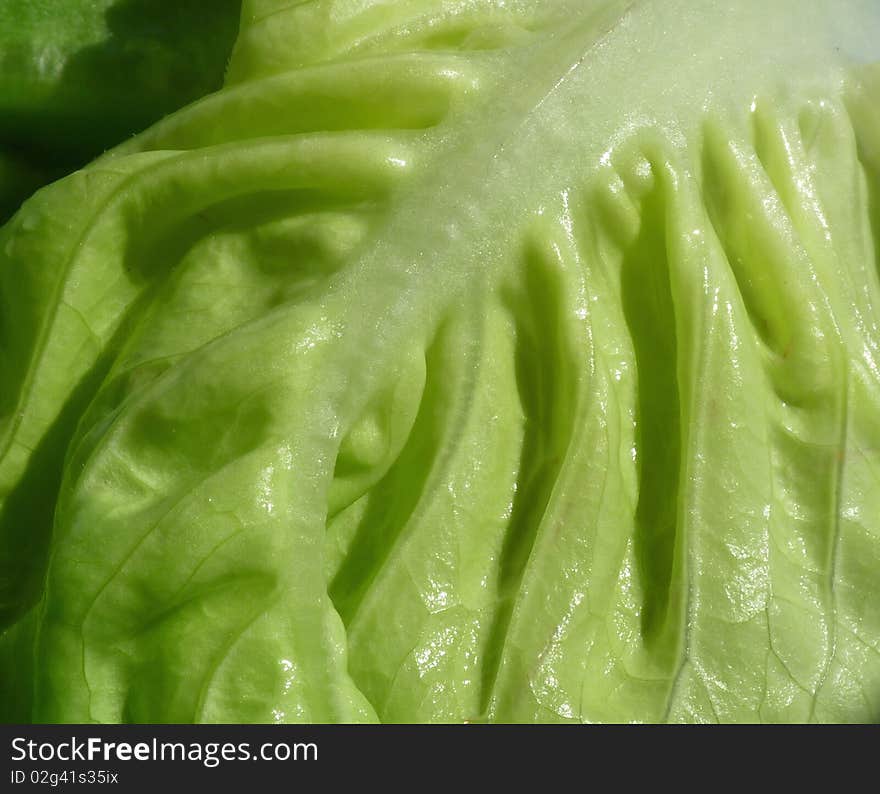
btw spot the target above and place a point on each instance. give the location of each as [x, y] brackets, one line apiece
[459, 360]
[79, 76]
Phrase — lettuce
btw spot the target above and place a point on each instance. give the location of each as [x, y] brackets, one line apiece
[79, 76]
[459, 360]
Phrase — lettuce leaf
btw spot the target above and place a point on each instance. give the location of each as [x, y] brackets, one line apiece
[459, 360]
[79, 76]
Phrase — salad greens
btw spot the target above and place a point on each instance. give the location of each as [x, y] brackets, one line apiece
[79, 76]
[485, 360]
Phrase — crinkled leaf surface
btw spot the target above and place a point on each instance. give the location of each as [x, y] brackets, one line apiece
[460, 360]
